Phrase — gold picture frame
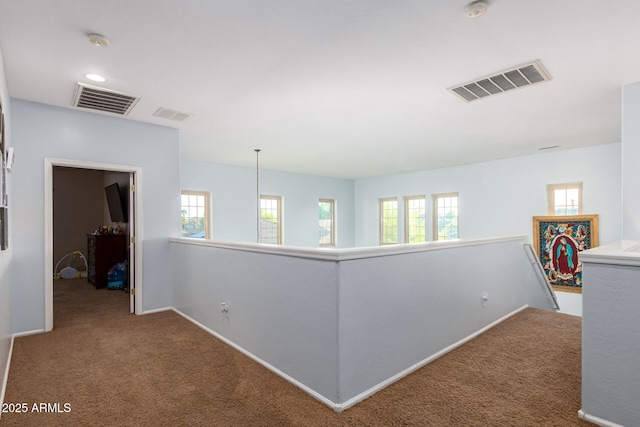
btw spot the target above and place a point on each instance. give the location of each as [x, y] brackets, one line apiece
[557, 241]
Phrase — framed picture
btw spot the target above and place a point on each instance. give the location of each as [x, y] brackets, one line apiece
[557, 241]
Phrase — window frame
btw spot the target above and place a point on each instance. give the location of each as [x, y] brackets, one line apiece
[279, 217]
[207, 210]
[435, 198]
[332, 221]
[381, 215]
[407, 219]
[551, 197]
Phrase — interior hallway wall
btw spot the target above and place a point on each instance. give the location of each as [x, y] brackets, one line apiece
[499, 198]
[40, 132]
[6, 255]
[630, 161]
[233, 200]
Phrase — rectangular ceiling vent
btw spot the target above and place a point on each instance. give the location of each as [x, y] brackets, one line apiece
[523, 76]
[99, 99]
[166, 113]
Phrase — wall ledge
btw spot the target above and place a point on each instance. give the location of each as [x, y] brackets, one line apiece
[625, 252]
[344, 254]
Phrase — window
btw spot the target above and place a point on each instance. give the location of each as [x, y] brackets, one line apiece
[271, 220]
[445, 216]
[195, 214]
[414, 219]
[564, 199]
[388, 221]
[326, 211]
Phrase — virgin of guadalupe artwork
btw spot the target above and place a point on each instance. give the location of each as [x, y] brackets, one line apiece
[558, 240]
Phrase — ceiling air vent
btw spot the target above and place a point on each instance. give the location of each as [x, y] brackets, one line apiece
[99, 99]
[525, 75]
[166, 113]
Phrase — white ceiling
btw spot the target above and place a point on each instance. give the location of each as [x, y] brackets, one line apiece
[343, 88]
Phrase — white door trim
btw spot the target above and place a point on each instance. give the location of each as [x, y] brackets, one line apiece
[49, 163]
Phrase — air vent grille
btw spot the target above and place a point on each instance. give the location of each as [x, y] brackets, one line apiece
[169, 114]
[99, 99]
[523, 76]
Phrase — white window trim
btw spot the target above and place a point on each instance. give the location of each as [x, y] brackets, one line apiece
[407, 199]
[333, 221]
[280, 215]
[435, 212]
[381, 220]
[551, 188]
[207, 208]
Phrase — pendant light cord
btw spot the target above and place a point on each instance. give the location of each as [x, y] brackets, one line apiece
[257, 196]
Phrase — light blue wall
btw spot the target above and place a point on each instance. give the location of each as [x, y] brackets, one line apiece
[630, 161]
[500, 198]
[233, 198]
[5, 256]
[41, 132]
[343, 323]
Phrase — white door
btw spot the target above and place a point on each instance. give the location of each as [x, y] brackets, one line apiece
[132, 243]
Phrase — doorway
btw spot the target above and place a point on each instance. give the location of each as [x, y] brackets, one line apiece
[92, 174]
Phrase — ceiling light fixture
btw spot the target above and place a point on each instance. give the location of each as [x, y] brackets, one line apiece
[98, 40]
[95, 77]
[477, 9]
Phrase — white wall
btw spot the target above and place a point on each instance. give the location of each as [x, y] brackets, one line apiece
[5, 256]
[41, 132]
[233, 198]
[281, 309]
[397, 311]
[342, 323]
[499, 198]
[630, 161]
[611, 342]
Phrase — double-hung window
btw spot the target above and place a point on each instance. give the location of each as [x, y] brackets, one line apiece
[388, 221]
[195, 214]
[415, 219]
[564, 199]
[446, 209]
[271, 220]
[326, 215]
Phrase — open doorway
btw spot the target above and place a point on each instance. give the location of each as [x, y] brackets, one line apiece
[78, 214]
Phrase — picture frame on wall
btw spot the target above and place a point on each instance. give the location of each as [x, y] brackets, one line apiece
[557, 241]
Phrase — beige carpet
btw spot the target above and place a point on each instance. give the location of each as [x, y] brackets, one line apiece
[117, 369]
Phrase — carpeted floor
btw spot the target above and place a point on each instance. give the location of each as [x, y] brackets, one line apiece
[110, 368]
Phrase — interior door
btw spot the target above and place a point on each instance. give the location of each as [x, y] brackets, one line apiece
[132, 243]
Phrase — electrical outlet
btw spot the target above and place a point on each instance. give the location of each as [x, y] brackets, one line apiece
[485, 299]
[224, 308]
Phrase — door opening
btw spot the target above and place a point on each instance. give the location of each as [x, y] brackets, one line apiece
[86, 215]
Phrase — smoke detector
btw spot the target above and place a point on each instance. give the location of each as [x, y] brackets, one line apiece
[98, 40]
[477, 9]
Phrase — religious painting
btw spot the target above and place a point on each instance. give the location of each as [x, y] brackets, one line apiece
[557, 241]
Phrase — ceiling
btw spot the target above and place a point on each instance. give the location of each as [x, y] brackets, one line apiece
[337, 88]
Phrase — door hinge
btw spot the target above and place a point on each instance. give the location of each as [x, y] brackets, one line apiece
[133, 188]
[133, 239]
[133, 291]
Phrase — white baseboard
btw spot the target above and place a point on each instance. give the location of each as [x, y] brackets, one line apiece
[267, 365]
[360, 397]
[597, 420]
[6, 374]
[339, 407]
[158, 310]
[26, 333]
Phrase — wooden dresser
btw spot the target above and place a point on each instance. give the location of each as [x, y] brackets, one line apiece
[104, 251]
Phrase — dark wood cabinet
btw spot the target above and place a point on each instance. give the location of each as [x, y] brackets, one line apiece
[104, 251]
